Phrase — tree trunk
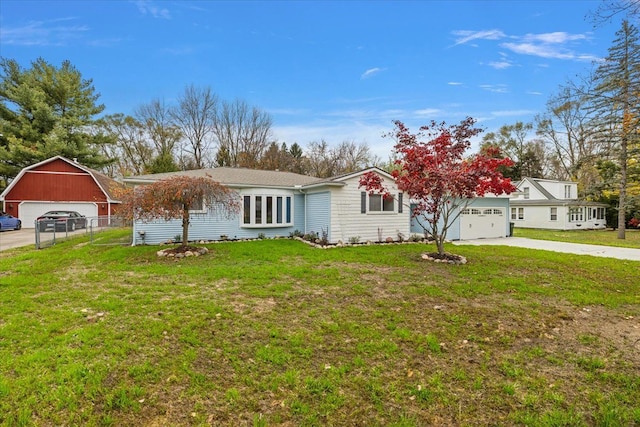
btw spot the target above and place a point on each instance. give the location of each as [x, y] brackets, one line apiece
[622, 202]
[440, 244]
[185, 226]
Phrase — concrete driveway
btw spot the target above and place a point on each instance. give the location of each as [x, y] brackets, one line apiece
[27, 237]
[17, 238]
[548, 245]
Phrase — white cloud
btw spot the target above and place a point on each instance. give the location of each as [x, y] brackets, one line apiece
[147, 7]
[556, 45]
[337, 132]
[42, 33]
[370, 73]
[465, 36]
[427, 112]
[500, 88]
[558, 37]
[500, 65]
[454, 83]
[541, 50]
[509, 113]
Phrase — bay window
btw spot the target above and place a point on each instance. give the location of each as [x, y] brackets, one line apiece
[266, 210]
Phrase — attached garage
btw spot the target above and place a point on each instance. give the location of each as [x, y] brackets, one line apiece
[482, 223]
[482, 218]
[59, 184]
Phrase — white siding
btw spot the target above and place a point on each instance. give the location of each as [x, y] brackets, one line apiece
[347, 221]
[555, 188]
[540, 217]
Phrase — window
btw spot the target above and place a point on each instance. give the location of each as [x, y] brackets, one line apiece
[269, 210]
[466, 211]
[576, 215]
[247, 210]
[599, 213]
[497, 212]
[476, 211]
[517, 213]
[567, 191]
[526, 192]
[196, 205]
[553, 214]
[279, 210]
[266, 211]
[258, 206]
[487, 211]
[377, 203]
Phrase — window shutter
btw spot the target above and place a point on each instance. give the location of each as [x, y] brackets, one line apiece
[363, 202]
[399, 202]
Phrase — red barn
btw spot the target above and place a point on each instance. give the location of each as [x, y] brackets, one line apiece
[59, 184]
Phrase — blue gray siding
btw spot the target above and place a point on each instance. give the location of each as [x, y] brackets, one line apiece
[318, 209]
[211, 226]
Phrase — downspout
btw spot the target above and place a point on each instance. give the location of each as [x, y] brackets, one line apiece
[299, 188]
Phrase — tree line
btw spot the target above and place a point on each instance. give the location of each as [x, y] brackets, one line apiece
[47, 110]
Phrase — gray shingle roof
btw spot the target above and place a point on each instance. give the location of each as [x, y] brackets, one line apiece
[235, 177]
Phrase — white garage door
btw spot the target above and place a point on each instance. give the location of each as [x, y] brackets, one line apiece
[482, 223]
[28, 212]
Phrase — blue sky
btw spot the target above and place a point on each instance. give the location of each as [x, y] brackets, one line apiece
[339, 71]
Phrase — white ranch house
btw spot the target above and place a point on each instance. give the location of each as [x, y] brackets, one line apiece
[277, 203]
[550, 204]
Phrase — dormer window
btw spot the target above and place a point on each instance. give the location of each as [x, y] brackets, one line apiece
[526, 192]
[567, 191]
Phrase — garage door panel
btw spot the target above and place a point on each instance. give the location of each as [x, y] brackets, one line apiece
[28, 212]
[482, 223]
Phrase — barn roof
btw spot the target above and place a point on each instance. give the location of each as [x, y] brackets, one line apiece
[106, 184]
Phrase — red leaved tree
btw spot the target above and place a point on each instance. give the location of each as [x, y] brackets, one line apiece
[440, 181]
[172, 198]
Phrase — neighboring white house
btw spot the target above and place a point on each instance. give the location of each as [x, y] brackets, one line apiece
[277, 203]
[549, 204]
[482, 218]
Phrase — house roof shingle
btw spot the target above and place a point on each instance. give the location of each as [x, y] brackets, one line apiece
[235, 177]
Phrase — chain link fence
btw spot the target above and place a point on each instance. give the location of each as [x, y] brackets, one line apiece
[48, 232]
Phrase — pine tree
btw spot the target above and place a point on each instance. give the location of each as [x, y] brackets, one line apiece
[615, 101]
[46, 111]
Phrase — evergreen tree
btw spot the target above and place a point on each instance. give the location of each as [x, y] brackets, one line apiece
[46, 111]
[615, 101]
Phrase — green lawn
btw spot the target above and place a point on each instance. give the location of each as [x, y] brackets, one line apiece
[591, 237]
[274, 332]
